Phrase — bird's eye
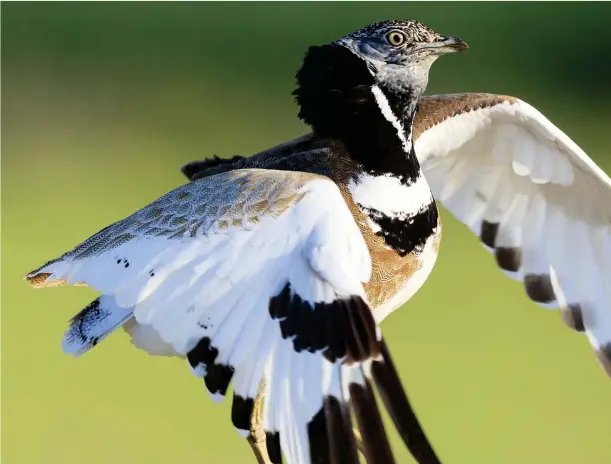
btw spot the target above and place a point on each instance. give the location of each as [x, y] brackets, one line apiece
[396, 38]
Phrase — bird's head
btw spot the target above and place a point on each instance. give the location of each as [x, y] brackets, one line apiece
[402, 50]
[339, 83]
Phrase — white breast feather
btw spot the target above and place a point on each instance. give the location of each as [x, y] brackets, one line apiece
[427, 259]
[388, 195]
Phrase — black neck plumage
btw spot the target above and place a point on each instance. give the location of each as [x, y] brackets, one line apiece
[336, 97]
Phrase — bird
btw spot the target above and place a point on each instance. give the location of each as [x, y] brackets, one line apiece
[537, 202]
[275, 279]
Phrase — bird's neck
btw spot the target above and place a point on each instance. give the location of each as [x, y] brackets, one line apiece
[339, 97]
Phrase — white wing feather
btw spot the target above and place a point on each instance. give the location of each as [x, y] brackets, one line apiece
[537, 201]
[219, 271]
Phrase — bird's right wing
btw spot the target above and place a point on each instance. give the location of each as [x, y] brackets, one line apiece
[254, 275]
[532, 195]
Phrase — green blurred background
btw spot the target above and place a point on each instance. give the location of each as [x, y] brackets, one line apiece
[101, 105]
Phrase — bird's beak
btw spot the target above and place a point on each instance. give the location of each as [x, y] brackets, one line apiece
[447, 45]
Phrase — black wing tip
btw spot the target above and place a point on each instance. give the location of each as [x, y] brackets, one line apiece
[318, 437]
[395, 400]
[331, 435]
[508, 258]
[572, 315]
[603, 353]
[242, 409]
[539, 288]
[488, 233]
[375, 445]
[217, 379]
[274, 452]
[341, 433]
[217, 376]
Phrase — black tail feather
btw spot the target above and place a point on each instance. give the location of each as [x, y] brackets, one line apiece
[376, 447]
[394, 398]
[342, 449]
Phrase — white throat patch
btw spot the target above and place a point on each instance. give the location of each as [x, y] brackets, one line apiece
[388, 195]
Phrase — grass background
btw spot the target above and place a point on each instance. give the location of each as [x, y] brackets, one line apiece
[103, 102]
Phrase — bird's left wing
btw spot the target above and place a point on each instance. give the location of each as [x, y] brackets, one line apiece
[252, 275]
[535, 199]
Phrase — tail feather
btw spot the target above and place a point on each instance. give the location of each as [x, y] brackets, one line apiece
[340, 432]
[394, 398]
[339, 390]
[376, 447]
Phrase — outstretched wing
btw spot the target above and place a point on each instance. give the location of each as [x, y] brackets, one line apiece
[252, 275]
[535, 199]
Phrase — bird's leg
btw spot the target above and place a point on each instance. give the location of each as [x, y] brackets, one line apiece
[256, 437]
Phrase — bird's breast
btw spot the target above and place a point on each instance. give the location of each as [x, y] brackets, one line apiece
[401, 226]
[388, 292]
